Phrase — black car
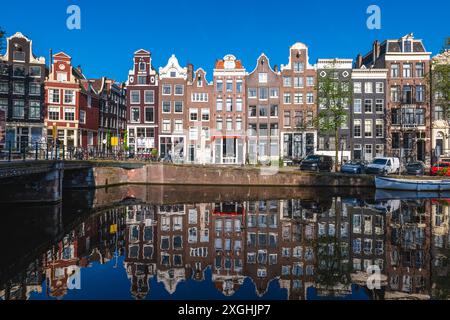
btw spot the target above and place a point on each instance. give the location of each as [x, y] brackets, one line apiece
[317, 163]
[415, 168]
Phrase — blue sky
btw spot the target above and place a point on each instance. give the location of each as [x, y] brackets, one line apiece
[201, 31]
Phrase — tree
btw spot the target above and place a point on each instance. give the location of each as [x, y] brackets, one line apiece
[440, 80]
[334, 96]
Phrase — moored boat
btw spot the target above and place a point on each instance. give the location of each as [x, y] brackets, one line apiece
[412, 184]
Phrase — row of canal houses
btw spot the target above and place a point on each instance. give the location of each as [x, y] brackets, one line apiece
[241, 116]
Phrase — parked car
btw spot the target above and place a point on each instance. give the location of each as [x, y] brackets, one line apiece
[384, 166]
[317, 163]
[415, 168]
[440, 169]
[354, 166]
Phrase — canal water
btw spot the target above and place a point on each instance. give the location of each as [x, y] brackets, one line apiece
[142, 242]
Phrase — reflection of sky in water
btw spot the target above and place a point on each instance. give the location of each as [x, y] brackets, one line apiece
[108, 283]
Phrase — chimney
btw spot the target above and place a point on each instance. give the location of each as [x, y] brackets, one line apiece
[190, 72]
[359, 61]
[375, 50]
[79, 69]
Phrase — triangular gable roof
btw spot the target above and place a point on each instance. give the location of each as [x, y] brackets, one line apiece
[62, 55]
[142, 51]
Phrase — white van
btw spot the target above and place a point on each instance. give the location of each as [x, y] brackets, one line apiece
[384, 166]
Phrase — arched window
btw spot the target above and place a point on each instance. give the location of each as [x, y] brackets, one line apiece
[141, 66]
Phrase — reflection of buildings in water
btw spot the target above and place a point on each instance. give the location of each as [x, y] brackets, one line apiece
[440, 248]
[24, 284]
[199, 248]
[228, 250]
[170, 243]
[298, 221]
[408, 248]
[263, 233]
[140, 253]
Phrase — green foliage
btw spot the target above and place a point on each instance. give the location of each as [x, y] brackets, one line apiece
[441, 85]
[334, 98]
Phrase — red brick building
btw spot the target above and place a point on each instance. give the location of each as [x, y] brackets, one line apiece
[72, 116]
[142, 104]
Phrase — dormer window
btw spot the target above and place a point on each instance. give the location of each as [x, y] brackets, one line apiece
[142, 66]
[407, 46]
[199, 82]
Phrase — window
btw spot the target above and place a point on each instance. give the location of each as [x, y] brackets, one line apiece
[229, 124]
[379, 105]
[135, 115]
[239, 105]
[379, 150]
[179, 126]
[229, 105]
[274, 110]
[287, 81]
[18, 109]
[368, 87]
[299, 67]
[205, 114]
[229, 86]
[219, 124]
[298, 98]
[379, 128]
[193, 114]
[368, 150]
[395, 97]
[61, 76]
[298, 117]
[263, 93]
[53, 96]
[173, 74]
[53, 113]
[219, 86]
[141, 66]
[287, 118]
[19, 71]
[407, 94]
[35, 110]
[251, 93]
[368, 128]
[69, 97]
[149, 114]
[287, 98]
[179, 89]
[167, 89]
[298, 82]
[135, 96]
[239, 86]
[379, 87]
[35, 71]
[4, 88]
[69, 114]
[368, 105]
[309, 98]
[262, 76]
[263, 111]
[166, 107]
[142, 79]
[149, 96]
[310, 81]
[407, 46]
[309, 121]
[238, 124]
[407, 70]
[274, 92]
[438, 113]
[395, 70]
[419, 70]
[357, 105]
[193, 133]
[420, 93]
[274, 130]
[357, 128]
[357, 87]
[178, 106]
[166, 125]
[219, 105]
[252, 111]
[35, 89]
[18, 87]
